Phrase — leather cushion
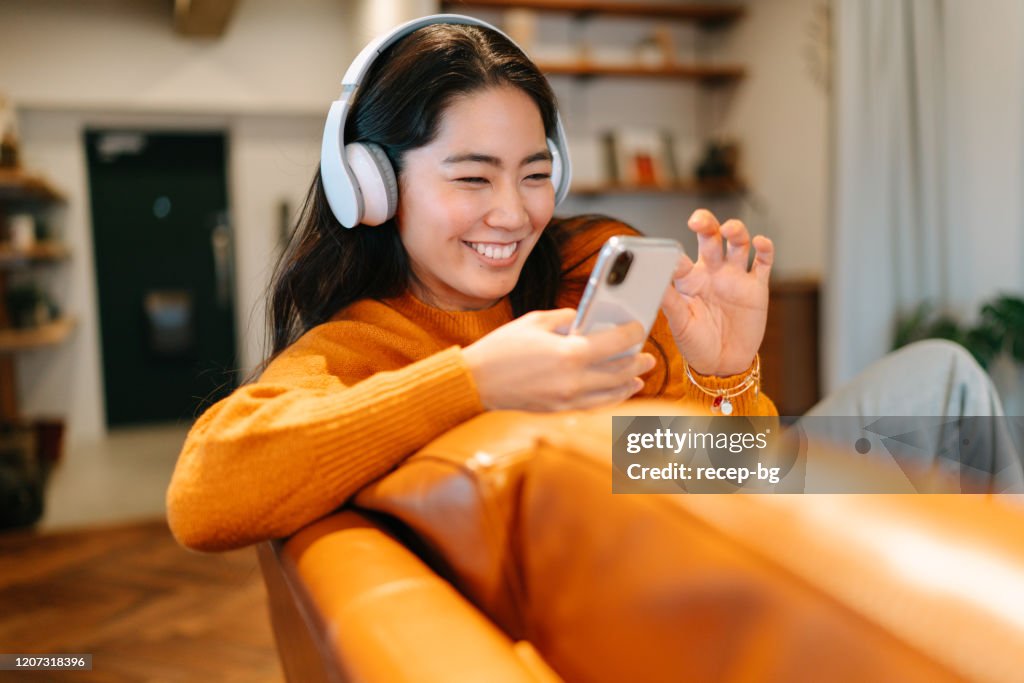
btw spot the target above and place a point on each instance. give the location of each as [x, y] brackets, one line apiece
[517, 510]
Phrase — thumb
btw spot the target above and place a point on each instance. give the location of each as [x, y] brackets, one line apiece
[676, 309]
[556, 320]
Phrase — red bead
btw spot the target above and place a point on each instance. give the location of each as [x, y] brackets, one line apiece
[717, 402]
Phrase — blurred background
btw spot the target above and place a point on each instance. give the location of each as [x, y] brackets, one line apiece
[156, 154]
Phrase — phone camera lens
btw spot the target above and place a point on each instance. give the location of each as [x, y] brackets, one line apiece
[620, 267]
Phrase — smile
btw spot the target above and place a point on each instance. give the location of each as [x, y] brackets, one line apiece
[493, 251]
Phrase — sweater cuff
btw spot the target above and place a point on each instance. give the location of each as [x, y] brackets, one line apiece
[716, 382]
[744, 403]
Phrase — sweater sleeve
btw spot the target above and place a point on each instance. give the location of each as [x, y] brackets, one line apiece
[277, 455]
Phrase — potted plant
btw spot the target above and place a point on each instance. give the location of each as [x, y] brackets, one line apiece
[996, 340]
[28, 306]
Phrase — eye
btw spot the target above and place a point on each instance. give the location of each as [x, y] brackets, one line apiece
[538, 176]
[472, 180]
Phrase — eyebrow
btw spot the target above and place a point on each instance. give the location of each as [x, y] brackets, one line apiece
[544, 155]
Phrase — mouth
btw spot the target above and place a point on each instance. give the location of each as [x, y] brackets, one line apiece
[495, 253]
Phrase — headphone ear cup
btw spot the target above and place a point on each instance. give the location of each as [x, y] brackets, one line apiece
[376, 180]
[556, 165]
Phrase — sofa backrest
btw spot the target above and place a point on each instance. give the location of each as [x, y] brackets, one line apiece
[517, 511]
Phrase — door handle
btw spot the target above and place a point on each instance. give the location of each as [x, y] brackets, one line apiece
[220, 241]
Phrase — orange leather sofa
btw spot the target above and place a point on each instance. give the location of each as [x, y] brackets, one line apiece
[499, 553]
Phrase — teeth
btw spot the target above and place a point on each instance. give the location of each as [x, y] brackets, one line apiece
[493, 251]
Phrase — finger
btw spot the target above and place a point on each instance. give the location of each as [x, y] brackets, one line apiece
[709, 236]
[676, 309]
[613, 341]
[625, 367]
[607, 377]
[683, 267]
[556, 320]
[737, 249]
[764, 257]
[611, 396]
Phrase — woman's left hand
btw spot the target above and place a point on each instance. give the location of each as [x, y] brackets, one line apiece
[716, 307]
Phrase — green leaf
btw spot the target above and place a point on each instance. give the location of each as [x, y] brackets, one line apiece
[1000, 326]
[913, 327]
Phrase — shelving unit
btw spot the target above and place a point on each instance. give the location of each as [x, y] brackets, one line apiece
[36, 195]
[48, 334]
[17, 185]
[704, 188]
[705, 17]
[707, 75]
[41, 252]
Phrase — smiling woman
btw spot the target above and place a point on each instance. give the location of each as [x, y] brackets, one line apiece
[428, 281]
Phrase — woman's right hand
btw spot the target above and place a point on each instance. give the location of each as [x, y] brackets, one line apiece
[532, 363]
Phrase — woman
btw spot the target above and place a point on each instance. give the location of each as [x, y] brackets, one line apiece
[386, 337]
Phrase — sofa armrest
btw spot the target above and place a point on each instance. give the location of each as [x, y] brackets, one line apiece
[350, 603]
[299, 631]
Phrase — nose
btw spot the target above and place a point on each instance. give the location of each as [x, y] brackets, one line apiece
[508, 210]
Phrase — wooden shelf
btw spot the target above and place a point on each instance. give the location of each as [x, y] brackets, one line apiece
[45, 335]
[18, 185]
[698, 187]
[705, 74]
[709, 15]
[41, 252]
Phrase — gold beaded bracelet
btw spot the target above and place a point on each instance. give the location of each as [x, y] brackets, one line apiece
[723, 397]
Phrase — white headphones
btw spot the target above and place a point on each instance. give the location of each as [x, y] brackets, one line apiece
[358, 179]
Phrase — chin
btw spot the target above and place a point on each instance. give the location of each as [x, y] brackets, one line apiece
[486, 296]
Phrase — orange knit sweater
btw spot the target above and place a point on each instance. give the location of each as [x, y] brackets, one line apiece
[350, 400]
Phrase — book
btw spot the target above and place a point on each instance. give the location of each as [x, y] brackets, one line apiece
[642, 157]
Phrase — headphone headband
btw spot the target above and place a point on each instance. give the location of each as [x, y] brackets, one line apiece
[341, 184]
[364, 60]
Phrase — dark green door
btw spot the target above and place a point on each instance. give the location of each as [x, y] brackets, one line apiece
[163, 254]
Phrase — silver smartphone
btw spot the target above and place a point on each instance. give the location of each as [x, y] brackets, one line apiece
[627, 283]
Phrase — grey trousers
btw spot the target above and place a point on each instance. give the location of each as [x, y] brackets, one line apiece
[927, 401]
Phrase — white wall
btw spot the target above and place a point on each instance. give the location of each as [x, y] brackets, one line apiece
[780, 113]
[124, 55]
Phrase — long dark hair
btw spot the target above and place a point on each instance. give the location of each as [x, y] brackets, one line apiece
[326, 267]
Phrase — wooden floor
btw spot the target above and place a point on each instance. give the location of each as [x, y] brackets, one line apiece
[146, 609]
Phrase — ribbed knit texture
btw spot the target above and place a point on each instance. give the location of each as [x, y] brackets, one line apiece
[350, 400]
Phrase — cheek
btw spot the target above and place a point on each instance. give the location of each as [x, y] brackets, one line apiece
[429, 216]
[540, 206]
[451, 212]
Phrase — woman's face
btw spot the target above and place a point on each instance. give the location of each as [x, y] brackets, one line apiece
[473, 202]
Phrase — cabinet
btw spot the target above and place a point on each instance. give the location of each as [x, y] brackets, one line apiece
[790, 373]
[24, 193]
[583, 64]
